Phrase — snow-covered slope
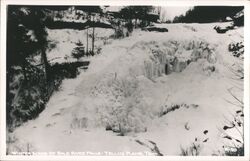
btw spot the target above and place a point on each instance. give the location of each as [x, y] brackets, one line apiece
[125, 89]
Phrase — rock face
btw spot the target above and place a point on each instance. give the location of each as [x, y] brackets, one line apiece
[177, 60]
[168, 68]
[179, 65]
[196, 54]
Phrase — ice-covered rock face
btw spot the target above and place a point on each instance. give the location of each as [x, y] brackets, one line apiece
[174, 56]
[123, 89]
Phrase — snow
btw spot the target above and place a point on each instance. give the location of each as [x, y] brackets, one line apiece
[65, 41]
[239, 14]
[126, 84]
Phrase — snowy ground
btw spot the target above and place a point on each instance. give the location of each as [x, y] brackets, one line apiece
[125, 85]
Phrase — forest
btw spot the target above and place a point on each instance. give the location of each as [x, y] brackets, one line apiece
[208, 14]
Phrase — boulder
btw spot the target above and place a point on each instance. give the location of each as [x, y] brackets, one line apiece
[220, 30]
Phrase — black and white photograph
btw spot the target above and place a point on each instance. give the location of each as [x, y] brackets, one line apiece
[125, 80]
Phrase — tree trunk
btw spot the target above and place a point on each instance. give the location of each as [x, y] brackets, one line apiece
[46, 64]
[24, 72]
[93, 40]
[87, 40]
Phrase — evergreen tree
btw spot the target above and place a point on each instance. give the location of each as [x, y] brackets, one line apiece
[90, 10]
[136, 13]
[26, 37]
[207, 14]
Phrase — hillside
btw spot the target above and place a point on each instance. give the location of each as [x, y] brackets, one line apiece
[152, 92]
